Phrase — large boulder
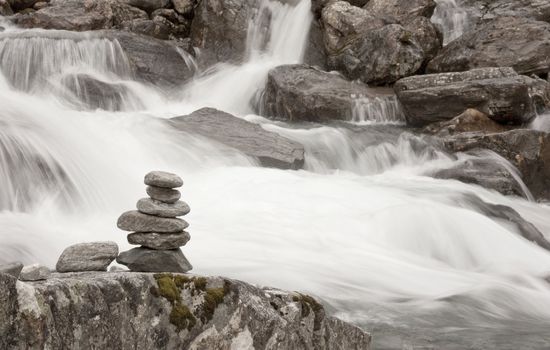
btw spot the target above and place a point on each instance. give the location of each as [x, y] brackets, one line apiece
[155, 61]
[303, 93]
[93, 256]
[270, 149]
[359, 45]
[219, 29]
[501, 93]
[499, 43]
[124, 310]
[77, 15]
[527, 150]
[401, 10]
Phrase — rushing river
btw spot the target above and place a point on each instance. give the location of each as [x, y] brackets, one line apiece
[362, 227]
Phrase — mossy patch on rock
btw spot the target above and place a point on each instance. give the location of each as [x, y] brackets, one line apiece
[171, 286]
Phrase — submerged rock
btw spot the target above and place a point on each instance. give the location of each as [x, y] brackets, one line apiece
[139, 222]
[269, 148]
[163, 179]
[159, 241]
[500, 93]
[12, 269]
[499, 43]
[94, 256]
[527, 150]
[34, 272]
[143, 311]
[166, 210]
[96, 94]
[152, 260]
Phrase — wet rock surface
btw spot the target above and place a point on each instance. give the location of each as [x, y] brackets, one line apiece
[269, 148]
[500, 42]
[500, 93]
[164, 311]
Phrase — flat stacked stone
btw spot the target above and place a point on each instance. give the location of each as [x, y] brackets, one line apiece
[156, 228]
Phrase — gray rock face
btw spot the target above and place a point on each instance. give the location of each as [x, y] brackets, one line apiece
[427, 35]
[499, 43]
[18, 5]
[148, 5]
[159, 241]
[183, 6]
[153, 60]
[77, 15]
[271, 149]
[94, 256]
[471, 120]
[219, 29]
[166, 195]
[138, 222]
[303, 93]
[34, 272]
[5, 8]
[12, 269]
[528, 150]
[166, 210]
[152, 260]
[130, 311]
[163, 179]
[401, 10]
[96, 94]
[500, 93]
[359, 45]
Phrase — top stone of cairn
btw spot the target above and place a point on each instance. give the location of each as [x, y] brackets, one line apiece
[163, 179]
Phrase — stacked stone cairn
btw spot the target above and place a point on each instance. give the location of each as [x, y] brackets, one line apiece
[156, 228]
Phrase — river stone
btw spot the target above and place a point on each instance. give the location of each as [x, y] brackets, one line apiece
[139, 222]
[12, 269]
[95, 256]
[34, 272]
[160, 241]
[163, 179]
[158, 208]
[166, 195]
[150, 260]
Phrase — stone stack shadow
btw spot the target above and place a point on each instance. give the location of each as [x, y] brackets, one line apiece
[156, 228]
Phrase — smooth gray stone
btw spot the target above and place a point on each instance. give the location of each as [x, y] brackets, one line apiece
[159, 241]
[158, 208]
[34, 272]
[12, 269]
[163, 179]
[269, 148]
[139, 222]
[94, 256]
[150, 260]
[165, 195]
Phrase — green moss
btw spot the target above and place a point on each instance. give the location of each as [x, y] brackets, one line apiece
[182, 317]
[168, 289]
[181, 281]
[212, 298]
[200, 283]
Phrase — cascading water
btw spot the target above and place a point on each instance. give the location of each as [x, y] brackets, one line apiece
[452, 18]
[402, 254]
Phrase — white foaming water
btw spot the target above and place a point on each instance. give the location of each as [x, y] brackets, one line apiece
[361, 227]
[452, 18]
[378, 110]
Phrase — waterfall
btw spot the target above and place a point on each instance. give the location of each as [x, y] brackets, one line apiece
[362, 226]
[452, 18]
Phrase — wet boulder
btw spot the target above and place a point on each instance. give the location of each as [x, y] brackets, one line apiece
[527, 150]
[500, 42]
[75, 15]
[471, 120]
[304, 93]
[362, 46]
[219, 29]
[500, 93]
[270, 149]
[401, 10]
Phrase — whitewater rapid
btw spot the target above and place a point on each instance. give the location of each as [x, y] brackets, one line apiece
[362, 226]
